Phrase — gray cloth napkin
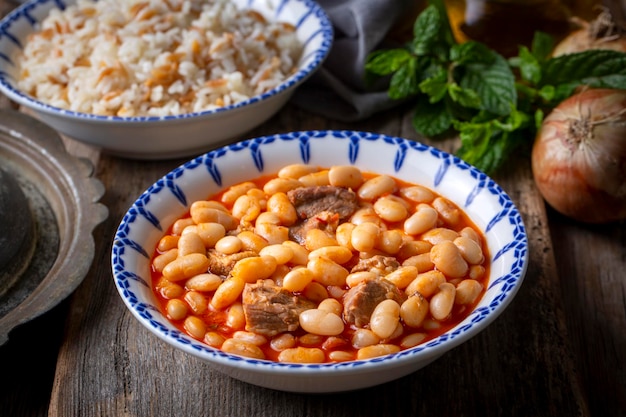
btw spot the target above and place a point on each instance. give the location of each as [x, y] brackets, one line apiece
[338, 89]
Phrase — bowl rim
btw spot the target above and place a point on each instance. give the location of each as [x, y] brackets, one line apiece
[317, 58]
[473, 324]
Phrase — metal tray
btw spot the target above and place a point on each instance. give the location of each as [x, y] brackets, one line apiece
[62, 201]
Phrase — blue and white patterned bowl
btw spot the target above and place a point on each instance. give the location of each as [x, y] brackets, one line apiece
[170, 197]
[168, 136]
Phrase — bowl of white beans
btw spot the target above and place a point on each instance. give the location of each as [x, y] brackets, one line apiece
[320, 261]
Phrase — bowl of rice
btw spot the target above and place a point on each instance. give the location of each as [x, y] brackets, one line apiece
[150, 79]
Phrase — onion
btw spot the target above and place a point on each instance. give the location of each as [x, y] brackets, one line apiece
[601, 33]
[579, 156]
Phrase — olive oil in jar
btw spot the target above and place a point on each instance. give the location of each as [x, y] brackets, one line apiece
[505, 24]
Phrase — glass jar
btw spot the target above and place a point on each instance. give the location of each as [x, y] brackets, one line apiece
[505, 24]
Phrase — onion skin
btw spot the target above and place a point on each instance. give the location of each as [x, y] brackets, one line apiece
[600, 33]
[583, 175]
[580, 41]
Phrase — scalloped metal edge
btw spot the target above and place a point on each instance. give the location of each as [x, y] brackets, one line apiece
[76, 207]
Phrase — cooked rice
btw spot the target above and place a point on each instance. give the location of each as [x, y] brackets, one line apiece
[155, 57]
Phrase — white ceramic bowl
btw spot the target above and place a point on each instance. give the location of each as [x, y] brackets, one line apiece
[169, 136]
[169, 198]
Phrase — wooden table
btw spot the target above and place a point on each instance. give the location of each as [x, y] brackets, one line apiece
[558, 350]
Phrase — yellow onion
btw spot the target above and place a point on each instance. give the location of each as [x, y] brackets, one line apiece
[601, 33]
[579, 156]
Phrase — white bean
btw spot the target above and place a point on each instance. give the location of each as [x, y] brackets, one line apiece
[417, 194]
[470, 250]
[353, 279]
[424, 219]
[376, 351]
[196, 301]
[385, 318]
[190, 243]
[376, 187]
[246, 208]
[364, 337]
[296, 171]
[412, 340]
[413, 311]
[297, 279]
[441, 303]
[402, 276]
[390, 209]
[448, 259]
[426, 283]
[321, 322]
[345, 176]
[282, 253]
[302, 355]
[447, 211]
[250, 337]
[467, 291]
[338, 254]
[203, 282]
[331, 305]
[242, 348]
[364, 237]
[236, 191]
[228, 245]
[327, 272]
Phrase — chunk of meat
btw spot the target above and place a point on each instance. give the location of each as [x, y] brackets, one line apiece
[309, 201]
[384, 265]
[361, 300]
[321, 207]
[222, 264]
[325, 220]
[270, 309]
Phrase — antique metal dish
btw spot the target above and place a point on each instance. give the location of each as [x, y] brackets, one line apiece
[49, 203]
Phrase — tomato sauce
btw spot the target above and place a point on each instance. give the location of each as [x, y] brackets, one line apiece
[217, 320]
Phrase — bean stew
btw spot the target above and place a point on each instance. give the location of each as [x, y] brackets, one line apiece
[316, 265]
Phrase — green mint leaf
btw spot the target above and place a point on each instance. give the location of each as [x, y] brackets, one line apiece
[563, 91]
[426, 30]
[529, 66]
[445, 30]
[474, 141]
[436, 86]
[384, 62]
[464, 97]
[404, 82]
[470, 52]
[494, 154]
[616, 81]
[547, 93]
[431, 119]
[539, 115]
[592, 67]
[542, 45]
[517, 120]
[487, 147]
[494, 83]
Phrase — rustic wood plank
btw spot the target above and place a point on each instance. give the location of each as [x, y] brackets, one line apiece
[525, 363]
[592, 264]
[110, 366]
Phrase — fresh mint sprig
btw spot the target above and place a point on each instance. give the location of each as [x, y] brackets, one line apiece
[494, 104]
